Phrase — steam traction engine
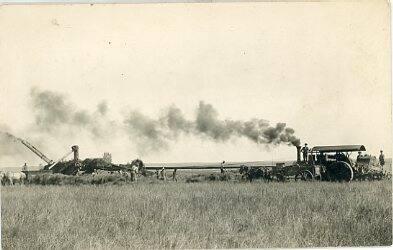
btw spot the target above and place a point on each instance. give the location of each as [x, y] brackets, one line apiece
[333, 163]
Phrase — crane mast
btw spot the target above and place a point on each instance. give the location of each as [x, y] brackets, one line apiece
[36, 151]
[32, 148]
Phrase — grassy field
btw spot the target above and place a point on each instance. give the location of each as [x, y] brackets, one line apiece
[197, 215]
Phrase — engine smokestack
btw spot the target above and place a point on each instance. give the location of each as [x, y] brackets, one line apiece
[298, 149]
[75, 149]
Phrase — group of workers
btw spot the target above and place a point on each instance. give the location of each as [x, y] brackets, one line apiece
[381, 158]
[161, 174]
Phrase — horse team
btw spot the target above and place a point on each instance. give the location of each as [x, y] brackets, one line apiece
[250, 173]
[10, 178]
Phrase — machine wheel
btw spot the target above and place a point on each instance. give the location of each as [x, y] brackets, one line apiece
[304, 176]
[280, 177]
[308, 176]
[298, 177]
[340, 171]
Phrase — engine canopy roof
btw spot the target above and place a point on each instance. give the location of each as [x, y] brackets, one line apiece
[340, 148]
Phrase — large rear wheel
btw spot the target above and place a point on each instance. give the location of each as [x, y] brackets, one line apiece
[340, 171]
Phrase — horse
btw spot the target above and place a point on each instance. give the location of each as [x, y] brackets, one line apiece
[243, 171]
[13, 178]
[101, 172]
[255, 173]
[126, 174]
[250, 173]
[2, 178]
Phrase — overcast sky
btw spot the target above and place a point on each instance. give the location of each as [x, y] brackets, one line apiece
[321, 68]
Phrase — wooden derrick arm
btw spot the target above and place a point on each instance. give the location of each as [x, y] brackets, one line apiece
[32, 148]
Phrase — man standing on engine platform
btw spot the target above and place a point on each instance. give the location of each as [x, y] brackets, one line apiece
[305, 151]
[382, 159]
[359, 156]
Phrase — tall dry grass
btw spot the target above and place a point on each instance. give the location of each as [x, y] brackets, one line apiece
[197, 215]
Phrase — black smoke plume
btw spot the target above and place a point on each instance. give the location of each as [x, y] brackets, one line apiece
[207, 125]
[56, 117]
[53, 113]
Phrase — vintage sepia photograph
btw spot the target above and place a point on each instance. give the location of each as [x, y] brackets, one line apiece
[226, 125]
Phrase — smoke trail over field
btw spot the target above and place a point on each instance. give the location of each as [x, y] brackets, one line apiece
[54, 112]
[50, 109]
[256, 130]
[146, 131]
[206, 125]
[57, 119]
[175, 121]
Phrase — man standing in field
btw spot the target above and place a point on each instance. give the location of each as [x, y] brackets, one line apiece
[382, 159]
[163, 177]
[134, 170]
[174, 178]
[222, 168]
[24, 168]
